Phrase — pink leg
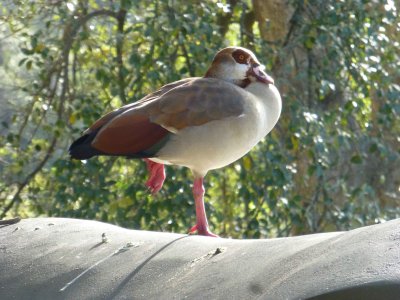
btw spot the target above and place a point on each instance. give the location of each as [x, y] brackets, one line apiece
[157, 176]
[201, 219]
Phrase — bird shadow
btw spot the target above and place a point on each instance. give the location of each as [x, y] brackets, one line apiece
[96, 246]
[8, 222]
[138, 268]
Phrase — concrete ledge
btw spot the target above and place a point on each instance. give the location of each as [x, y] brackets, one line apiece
[51, 258]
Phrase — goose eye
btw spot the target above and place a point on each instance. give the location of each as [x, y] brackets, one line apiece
[240, 57]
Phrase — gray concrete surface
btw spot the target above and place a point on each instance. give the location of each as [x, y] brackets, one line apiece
[50, 258]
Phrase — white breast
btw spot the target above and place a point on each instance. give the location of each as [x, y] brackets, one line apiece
[218, 143]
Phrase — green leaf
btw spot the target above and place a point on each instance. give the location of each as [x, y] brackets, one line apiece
[26, 51]
[28, 65]
[356, 159]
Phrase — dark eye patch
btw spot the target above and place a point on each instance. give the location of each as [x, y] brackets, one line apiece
[240, 56]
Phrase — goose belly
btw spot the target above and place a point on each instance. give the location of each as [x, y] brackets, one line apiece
[212, 145]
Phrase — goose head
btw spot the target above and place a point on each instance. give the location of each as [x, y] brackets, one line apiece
[239, 66]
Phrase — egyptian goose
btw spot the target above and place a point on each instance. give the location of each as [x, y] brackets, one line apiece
[202, 123]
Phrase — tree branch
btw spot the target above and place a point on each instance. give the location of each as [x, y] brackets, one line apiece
[224, 20]
[120, 42]
[188, 61]
[22, 185]
[71, 29]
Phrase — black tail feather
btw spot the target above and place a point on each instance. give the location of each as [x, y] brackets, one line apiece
[82, 149]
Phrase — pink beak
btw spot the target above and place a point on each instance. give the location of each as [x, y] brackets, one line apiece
[261, 75]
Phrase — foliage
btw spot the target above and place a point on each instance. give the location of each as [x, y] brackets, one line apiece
[331, 163]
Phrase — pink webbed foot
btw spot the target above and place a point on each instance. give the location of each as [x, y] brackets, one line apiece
[156, 177]
[202, 231]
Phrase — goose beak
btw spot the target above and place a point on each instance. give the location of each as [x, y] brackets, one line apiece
[257, 71]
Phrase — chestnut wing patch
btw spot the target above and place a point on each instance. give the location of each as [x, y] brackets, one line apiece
[130, 133]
